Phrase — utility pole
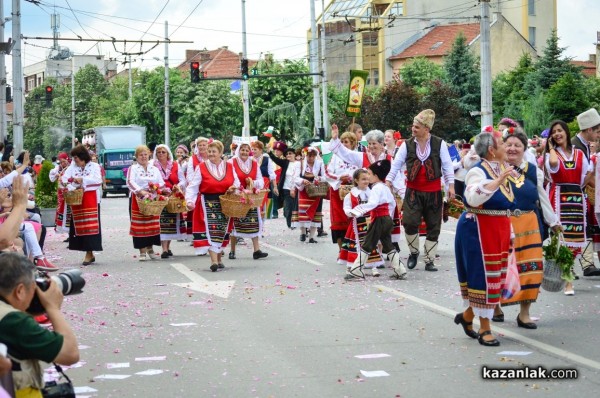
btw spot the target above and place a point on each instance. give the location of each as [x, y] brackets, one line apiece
[17, 71]
[313, 68]
[487, 117]
[130, 79]
[2, 78]
[167, 114]
[73, 102]
[245, 94]
[324, 71]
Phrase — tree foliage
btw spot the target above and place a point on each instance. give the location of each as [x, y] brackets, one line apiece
[419, 71]
[462, 73]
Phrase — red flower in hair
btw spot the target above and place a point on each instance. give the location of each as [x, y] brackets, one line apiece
[488, 129]
[397, 135]
[511, 130]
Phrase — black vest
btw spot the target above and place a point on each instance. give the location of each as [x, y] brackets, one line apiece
[264, 166]
[577, 143]
[433, 164]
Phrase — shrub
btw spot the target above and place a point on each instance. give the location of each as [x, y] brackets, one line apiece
[45, 190]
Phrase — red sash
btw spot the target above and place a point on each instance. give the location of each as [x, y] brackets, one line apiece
[85, 215]
[380, 211]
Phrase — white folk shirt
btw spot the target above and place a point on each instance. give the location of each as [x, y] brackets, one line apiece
[290, 176]
[363, 196]
[90, 174]
[447, 167]
[139, 177]
[380, 194]
[317, 170]
[246, 167]
[338, 168]
[195, 179]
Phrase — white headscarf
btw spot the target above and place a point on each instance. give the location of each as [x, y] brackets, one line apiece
[165, 172]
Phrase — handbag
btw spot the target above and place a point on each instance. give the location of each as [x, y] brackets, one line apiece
[52, 389]
[512, 283]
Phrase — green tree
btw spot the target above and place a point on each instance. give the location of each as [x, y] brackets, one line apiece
[462, 73]
[419, 71]
[508, 89]
[567, 97]
[450, 121]
[550, 67]
[90, 88]
[536, 114]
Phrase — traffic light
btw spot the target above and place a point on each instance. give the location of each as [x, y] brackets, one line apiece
[195, 71]
[245, 69]
[49, 92]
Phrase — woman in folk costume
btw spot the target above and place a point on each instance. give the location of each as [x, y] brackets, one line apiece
[172, 225]
[211, 228]
[267, 169]
[375, 151]
[308, 212]
[199, 155]
[381, 207]
[85, 233]
[145, 230]
[63, 212]
[248, 173]
[527, 184]
[483, 236]
[568, 170]
[358, 226]
[339, 173]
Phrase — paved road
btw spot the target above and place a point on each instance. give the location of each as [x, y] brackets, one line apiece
[289, 326]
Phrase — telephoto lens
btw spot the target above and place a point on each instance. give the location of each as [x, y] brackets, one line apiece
[69, 282]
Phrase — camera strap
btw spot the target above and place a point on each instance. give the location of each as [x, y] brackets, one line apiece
[61, 372]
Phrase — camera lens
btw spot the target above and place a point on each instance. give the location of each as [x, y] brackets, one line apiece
[70, 282]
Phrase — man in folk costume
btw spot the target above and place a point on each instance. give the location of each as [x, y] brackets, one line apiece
[427, 161]
[589, 126]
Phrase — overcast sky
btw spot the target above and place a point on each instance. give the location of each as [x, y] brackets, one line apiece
[276, 26]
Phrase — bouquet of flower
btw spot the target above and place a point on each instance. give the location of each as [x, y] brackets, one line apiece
[156, 193]
[561, 255]
[455, 208]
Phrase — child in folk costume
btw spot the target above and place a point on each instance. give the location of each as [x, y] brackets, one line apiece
[357, 229]
[381, 205]
[248, 172]
[308, 215]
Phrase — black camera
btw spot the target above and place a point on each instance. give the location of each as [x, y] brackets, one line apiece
[53, 389]
[69, 282]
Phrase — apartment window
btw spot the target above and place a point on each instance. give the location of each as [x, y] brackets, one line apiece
[532, 40]
[531, 7]
[397, 9]
[30, 83]
[373, 78]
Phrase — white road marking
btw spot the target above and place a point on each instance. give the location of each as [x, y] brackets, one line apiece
[199, 284]
[563, 354]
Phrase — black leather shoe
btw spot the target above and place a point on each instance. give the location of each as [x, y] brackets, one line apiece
[164, 255]
[220, 266]
[591, 271]
[303, 238]
[430, 267]
[322, 234]
[490, 343]
[412, 260]
[232, 255]
[170, 253]
[498, 318]
[214, 267]
[258, 254]
[526, 325]
[311, 240]
[459, 319]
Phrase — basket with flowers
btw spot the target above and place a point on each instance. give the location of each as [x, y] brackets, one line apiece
[455, 207]
[558, 264]
[317, 189]
[155, 201]
[176, 202]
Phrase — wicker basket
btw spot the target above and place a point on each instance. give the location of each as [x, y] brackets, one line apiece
[317, 190]
[552, 281]
[256, 199]
[344, 190]
[591, 194]
[151, 208]
[399, 203]
[176, 205]
[232, 205]
[73, 197]
[456, 207]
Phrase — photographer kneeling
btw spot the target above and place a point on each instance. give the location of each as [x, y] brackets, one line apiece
[27, 342]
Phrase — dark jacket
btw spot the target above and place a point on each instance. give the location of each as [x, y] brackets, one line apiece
[283, 163]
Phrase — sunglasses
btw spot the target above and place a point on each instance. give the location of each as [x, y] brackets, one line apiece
[161, 151]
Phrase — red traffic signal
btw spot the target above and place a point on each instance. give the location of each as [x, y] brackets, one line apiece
[49, 91]
[195, 71]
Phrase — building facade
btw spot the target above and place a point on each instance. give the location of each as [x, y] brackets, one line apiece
[365, 34]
